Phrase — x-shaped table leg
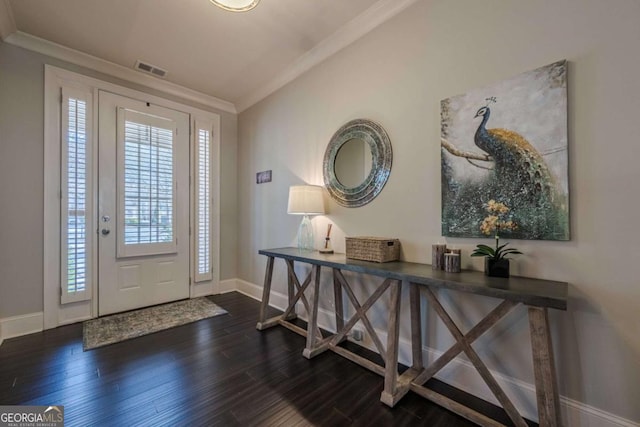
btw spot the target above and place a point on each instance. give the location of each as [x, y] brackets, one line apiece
[394, 387]
[333, 340]
[313, 331]
[463, 344]
[266, 293]
[265, 323]
[301, 288]
[362, 314]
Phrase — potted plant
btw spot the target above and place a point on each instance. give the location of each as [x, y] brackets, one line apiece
[496, 262]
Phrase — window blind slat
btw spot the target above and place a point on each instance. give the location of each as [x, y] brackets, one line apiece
[203, 256]
[75, 253]
[148, 184]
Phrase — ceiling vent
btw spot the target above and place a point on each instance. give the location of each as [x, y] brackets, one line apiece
[150, 69]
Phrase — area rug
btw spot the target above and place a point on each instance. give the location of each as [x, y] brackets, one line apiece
[123, 326]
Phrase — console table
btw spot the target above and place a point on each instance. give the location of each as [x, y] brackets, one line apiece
[537, 295]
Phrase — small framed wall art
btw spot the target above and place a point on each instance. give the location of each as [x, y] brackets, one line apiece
[263, 177]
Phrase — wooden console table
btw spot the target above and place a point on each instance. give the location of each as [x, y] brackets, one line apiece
[537, 295]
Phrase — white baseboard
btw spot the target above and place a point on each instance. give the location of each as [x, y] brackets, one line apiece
[580, 414]
[11, 327]
[459, 373]
[228, 285]
[251, 290]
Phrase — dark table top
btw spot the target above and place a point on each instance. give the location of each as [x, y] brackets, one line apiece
[535, 292]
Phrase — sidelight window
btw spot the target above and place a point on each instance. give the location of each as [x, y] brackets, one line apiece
[75, 190]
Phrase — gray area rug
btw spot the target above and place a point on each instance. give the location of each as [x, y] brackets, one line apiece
[123, 326]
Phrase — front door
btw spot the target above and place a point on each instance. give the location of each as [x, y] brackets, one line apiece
[143, 204]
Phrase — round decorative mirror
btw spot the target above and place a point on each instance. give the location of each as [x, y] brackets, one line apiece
[357, 163]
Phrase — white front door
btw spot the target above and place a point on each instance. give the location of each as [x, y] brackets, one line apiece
[143, 204]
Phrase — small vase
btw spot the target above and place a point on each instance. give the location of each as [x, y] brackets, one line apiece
[496, 268]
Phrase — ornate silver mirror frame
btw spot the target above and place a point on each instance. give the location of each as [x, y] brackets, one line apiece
[378, 141]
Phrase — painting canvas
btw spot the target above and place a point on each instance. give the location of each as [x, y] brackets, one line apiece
[504, 158]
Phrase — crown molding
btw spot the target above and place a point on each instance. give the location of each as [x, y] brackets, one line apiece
[371, 18]
[7, 23]
[82, 59]
[380, 12]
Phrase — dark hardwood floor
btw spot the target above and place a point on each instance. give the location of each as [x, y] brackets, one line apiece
[215, 372]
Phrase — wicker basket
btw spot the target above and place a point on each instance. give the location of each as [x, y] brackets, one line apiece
[375, 249]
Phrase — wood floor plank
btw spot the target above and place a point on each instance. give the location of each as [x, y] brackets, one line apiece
[215, 372]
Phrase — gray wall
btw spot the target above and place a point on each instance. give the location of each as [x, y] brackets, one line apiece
[437, 49]
[21, 177]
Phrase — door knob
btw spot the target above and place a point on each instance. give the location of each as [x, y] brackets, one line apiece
[105, 231]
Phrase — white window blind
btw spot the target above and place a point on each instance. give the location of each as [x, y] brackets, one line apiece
[203, 203]
[148, 189]
[147, 185]
[76, 212]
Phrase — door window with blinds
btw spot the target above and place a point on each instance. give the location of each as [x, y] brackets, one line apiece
[146, 184]
[203, 202]
[76, 189]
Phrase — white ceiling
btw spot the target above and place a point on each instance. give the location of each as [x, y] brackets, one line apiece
[238, 57]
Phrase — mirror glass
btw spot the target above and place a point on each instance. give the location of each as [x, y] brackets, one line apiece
[353, 163]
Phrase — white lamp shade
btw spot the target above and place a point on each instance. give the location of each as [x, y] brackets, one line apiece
[305, 200]
[236, 5]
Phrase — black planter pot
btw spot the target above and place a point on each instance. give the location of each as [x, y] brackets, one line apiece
[496, 268]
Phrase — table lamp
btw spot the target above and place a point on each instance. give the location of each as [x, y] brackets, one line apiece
[305, 200]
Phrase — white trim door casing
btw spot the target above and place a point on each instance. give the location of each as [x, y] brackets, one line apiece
[55, 312]
[143, 204]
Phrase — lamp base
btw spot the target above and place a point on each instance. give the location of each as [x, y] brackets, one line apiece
[305, 235]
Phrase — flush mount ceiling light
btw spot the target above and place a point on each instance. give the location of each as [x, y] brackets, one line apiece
[236, 5]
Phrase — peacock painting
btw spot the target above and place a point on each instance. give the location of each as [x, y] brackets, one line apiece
[507, 143]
